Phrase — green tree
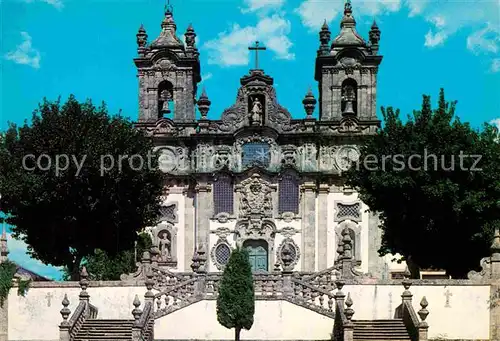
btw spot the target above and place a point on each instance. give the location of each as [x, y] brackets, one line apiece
[65, 214]
[236, 300]
[441, 211]
[102, 267]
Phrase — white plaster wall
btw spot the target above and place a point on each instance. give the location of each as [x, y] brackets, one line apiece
[467, 317]
[273, 320]
[30, 317]
[332, 238]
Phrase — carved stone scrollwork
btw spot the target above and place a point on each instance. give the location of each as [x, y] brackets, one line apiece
[484, 274]
[223, 157]
[164, 126]
[308, 157]
[255, 198]
[223, 217]
[204, 157]
[223, 232]
[256, 229]
[173, 159]
[288, 231]
[289, 155]
[220, 253]
[288, 254]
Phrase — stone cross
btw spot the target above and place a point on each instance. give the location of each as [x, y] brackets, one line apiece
[257, 48]
[49, 296]
[447, 294]
[390, 305]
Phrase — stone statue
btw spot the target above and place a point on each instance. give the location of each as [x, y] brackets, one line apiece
[164, 245]
[256, 112]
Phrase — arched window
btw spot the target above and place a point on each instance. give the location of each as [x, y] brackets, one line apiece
[349, 97]
[288, 193]
[256, 154]
[165, 99]
[223, 194]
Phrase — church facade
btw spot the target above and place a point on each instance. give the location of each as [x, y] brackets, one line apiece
[257, 177]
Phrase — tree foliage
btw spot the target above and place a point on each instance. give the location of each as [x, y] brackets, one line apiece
[236, 300]
[8, 271]
[437, 212]
[64, 217]
[101, 267]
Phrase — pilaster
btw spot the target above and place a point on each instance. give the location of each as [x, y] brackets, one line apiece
[323, 192]
[374, 242]
[203, 214]
[189, 223]
[308, 226]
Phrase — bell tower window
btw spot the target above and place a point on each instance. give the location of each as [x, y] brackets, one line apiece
[165, 99]
[349, 97]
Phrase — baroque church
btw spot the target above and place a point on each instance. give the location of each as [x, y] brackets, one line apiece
[257, 177]
[272, 184]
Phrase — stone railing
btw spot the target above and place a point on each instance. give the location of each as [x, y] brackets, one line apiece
[343, 328]
[84, 311]
[417, 329]
[143, 327]
[177, 297]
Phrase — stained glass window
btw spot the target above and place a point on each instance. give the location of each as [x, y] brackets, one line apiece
[223, 194]
[256, 154]
[289, 193]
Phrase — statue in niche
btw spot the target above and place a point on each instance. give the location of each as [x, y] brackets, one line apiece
[164, 245]
[165, 98]
[256, 111]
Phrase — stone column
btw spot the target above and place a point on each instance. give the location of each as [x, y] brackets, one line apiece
[189, 222]
[308, 226]
[203, 214]
[323, 192]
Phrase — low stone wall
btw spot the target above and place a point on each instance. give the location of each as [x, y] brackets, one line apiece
[459, 310]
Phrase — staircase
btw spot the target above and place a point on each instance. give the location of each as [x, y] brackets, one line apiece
[380, 330]
[105, 330]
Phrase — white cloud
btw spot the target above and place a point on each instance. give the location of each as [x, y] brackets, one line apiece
[262, 5]
[495, 65]
[24, 53]
[206, 77]
[313, 12]
[484, 41]
[18, 254]
[435, 39]
[496, 122]
[230, 48]
[56, 3]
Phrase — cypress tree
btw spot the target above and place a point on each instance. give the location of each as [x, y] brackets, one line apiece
[236, 300]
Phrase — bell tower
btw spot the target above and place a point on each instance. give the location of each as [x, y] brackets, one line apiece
[168, 72]
[346, 71]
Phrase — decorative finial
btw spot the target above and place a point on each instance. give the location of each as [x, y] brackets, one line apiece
[142, 40]
[374, 36]
[204, 104]
[190, 36]
[423, 312]
[136, 312]
[325, 26]
[309, 103]
[348, 19]
[169, 9]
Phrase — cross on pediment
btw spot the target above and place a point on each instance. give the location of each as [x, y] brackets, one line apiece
[257, 48]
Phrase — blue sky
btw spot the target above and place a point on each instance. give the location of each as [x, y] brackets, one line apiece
[54, 48]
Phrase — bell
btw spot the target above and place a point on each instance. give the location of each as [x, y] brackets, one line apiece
[348, 110]
[165, 108]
